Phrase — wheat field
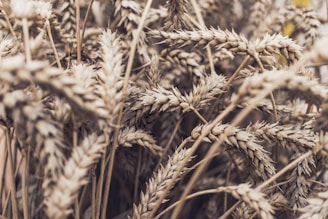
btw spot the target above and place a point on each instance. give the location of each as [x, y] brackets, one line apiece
[163, 109]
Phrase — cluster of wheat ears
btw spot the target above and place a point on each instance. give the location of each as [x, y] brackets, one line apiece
[163, 109]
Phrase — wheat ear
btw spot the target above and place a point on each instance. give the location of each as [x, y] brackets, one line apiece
[74, 175]
[15, 70]
[310, 90]
[286, 136]
[269, 45]
[164, 100]
[241, 140]
[158, 183]
[252, 197]
[317, 208]
[176, 19]
[129, 136]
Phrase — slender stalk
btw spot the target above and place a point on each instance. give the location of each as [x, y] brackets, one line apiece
[167, 146]
[120, 115]
[227, 84]
[78, 34]
[230, 210]
[86, 20]
[275, 119]
[26, 40]
[84, 195]
[4, 165]
[190, 18]
[77, 208]
[75, 145]
[136, 180]
[53, 44]
[11, 176]
[225, 195]
[25, 182]
[199, 115]
[203, 26]
[274, 107]
[100, 184]
[93, 195]
[235, 164]
[235, 74]
[327, 9]
[194, 195]
[9, 24]
[183, 143]
[7, 204]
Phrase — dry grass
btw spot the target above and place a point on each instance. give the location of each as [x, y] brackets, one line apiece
[163, 109]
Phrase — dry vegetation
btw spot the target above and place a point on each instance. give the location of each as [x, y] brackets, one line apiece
[163, 109]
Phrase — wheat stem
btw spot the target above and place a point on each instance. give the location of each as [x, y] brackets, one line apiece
[230, 210]
[225, 195]
[274, 107]
[194, 195]
[53, 44]
[136, 179]
[327, 10]
[25, 181]
[26, 40]
[228, 83]
[76, 208]
[199, 115]
[9, 24]
[235, 74]
[78, 34]
[167, 146]
[84, 195]
[11, 175]
[100, 184]
[4, 165]
[203, 26]
[93, 196]
[86, 20]
[2, 187]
